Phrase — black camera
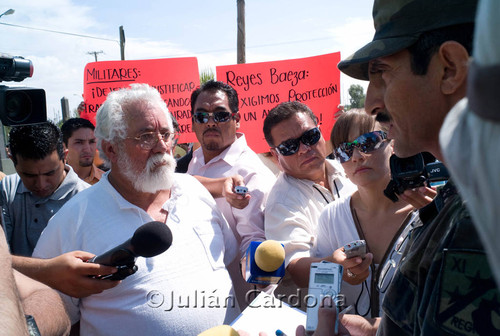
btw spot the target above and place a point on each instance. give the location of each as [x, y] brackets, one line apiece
[412, 172]
[20, 105]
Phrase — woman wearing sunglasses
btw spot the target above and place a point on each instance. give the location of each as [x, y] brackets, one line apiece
[363, 149]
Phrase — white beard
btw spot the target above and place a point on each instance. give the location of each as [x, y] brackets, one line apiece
[152, 178]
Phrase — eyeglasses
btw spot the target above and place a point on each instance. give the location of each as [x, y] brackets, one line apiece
[219, 117]
[389, 267]
[366, 143]
[291, 146]
[148, 140]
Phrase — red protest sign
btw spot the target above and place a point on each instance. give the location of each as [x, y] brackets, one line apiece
[174, 78]
[315, 81]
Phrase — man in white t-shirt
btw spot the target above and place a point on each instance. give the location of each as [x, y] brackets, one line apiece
[182, 291]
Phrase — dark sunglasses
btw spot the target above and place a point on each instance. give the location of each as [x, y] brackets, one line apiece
[219, 117]
[365, 143]
[291, 146]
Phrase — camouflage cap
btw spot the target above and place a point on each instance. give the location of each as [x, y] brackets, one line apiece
[399, 24]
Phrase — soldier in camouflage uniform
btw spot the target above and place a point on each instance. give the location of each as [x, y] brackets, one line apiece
[417, 66]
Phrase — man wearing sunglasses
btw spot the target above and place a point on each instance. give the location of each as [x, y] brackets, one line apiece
[306, 184]
[417, 67]
[224, 153]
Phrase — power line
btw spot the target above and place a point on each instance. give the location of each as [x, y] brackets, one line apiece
[59, 32]
[257, 46]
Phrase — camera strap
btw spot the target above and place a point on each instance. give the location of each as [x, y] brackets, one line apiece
[373, 294]
[375, 271]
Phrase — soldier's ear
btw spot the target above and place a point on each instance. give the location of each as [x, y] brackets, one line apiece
[453, 59]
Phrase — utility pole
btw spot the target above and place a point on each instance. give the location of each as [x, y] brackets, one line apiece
[122, 43]
[65, 108]
[95, 53]
[241, 57]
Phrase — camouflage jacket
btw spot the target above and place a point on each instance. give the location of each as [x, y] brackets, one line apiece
[444, 285]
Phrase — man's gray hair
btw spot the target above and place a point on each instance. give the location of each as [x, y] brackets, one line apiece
[110, 119]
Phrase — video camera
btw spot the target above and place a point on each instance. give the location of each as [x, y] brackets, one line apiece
[19, 105]
[412, 172]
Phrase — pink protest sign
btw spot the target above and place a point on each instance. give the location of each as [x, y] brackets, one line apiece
[174, 78]
[315, 81]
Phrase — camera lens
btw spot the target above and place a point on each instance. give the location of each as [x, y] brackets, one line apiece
[18, 106]
[15, 68]
[22, 106]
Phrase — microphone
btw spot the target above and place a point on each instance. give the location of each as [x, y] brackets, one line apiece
[222, 330]
[265, 262]
[149, 240]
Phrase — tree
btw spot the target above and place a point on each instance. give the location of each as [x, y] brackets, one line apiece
[357, 96]
[206, 75]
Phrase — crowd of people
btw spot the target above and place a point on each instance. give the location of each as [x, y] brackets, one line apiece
[430, 266]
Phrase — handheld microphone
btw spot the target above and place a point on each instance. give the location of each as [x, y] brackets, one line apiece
[222, 330]
[149, 240]
[265, 262]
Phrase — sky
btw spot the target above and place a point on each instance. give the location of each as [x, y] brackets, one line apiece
[275, 30]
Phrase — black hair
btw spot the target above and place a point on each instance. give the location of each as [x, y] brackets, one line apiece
[35, 142]
[213, 86]
[175, 123]
[72, 125]
[281, 112]
[429, 42]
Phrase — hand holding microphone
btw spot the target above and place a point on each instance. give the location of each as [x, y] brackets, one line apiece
[149, 240]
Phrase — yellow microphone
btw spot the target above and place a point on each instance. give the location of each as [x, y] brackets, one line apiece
[269, 255]
[222, 330]
[265, 262]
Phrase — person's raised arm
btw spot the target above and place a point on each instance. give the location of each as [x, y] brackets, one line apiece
[224, 187]
[68, 273]
[12, 321]
[44, 304]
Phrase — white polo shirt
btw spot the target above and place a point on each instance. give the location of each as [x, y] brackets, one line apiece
[182, 291]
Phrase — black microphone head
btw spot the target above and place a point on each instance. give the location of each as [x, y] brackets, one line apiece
[151, 239]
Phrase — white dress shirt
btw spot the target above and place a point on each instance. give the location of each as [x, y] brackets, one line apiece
[247, 223]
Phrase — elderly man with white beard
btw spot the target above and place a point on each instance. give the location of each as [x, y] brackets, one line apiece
[182, 291]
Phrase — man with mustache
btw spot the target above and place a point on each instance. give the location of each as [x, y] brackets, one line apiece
[182, 291]
[224, 153]
[306, 184]
[417, 66]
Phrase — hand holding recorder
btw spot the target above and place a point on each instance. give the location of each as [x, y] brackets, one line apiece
[355, 260]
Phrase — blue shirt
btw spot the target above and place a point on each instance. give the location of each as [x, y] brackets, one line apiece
[24, 215]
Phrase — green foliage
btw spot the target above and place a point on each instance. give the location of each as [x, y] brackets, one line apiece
[357, 96]
[72, 114]
[206, 75]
